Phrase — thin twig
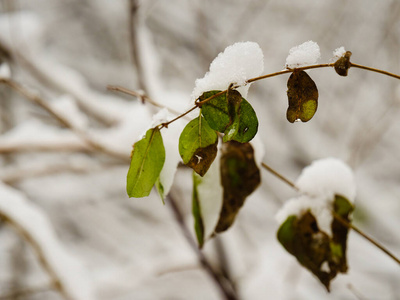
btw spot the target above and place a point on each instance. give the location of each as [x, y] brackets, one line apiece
[165, 124]
[280, 176]
[374, 70]
[62, 120]
[55, 281]
[142, 96]
[220, 281]
[289, 71]
[347, 224]
[371, 240]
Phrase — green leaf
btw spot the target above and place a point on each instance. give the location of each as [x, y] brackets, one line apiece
[216, 111]
[240, 176]
[160, 189]
[286, 234]
[244, 126]
[303, 97]
[196, 211]
[148, 158]
[231, 114]
[342, 65]
[198, 145]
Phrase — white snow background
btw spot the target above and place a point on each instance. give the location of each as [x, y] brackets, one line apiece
[69, 51]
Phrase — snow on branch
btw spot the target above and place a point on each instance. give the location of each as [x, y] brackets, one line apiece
[303, 55]
[238, 63]
[66, 273]
[318, 185]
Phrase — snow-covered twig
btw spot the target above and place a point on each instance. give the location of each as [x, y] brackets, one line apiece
[336, 216]
[64, 121]
[34, 228]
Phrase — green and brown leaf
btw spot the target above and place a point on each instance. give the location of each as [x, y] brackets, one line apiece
[198, 145]
[323, 255]
[303, 97]
[240, 176]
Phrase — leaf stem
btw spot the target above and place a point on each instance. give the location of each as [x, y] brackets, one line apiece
[336, 216]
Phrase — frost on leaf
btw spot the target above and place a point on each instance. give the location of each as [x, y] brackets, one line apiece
[303, 97]
[342, 65]
[240, 176]
[147, 160]
[198, 145]
[230, 114]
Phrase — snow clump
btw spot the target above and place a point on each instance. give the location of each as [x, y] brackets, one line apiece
[303, 55]
[238, 63]
[318, 185]
[339, 52]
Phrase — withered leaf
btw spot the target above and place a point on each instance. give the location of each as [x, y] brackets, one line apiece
[323, 255]
[302, 238]
[303, 97]
[240, 176]
[342, 65]
[202, 158]
[343, 209]
[196, 211]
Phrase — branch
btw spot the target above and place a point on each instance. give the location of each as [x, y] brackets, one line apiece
[375, 70]
[223, 285]
[96, 146]
[134, 41]
[26, 292]
[55, 281]
[337, 217]
[198, 104]
[371, 240]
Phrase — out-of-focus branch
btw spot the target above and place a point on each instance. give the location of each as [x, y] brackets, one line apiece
[42, 75]
[134, 24]
[26, 292]
[223, 284]
[94, 145]
[56, 283]
[17, 174]
[35, 147]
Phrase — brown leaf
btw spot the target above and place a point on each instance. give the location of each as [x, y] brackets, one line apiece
[240, 176]
[203, 158]
[342, 65]
[303, 97]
